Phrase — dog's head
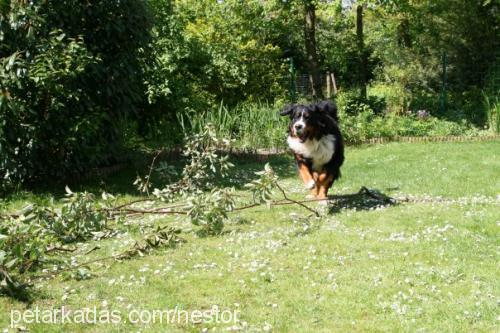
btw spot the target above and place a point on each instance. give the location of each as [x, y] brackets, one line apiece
[305, 120]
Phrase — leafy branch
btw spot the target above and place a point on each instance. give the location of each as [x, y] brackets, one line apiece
[262, 189]
[29, 236]
[161, 237]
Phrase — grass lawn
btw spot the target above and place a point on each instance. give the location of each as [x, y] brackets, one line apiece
[427, 265]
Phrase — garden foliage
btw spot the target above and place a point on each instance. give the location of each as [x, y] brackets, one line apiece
[69, 70]
[80, 81]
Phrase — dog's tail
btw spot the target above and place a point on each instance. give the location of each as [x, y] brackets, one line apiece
[330, 108]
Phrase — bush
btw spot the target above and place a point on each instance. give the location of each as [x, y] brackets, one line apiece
[68, 71]
[366, 125]
[37, 131]
[492, 110]
[351, 103]
[466, 105]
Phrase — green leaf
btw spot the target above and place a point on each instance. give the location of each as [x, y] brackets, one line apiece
[68, 191]
[11, 263]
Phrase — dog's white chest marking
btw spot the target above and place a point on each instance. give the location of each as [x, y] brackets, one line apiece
[320, 151]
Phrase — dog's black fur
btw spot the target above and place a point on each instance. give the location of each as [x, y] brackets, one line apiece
[320, 120]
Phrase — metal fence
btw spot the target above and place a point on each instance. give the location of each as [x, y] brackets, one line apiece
[300, 84]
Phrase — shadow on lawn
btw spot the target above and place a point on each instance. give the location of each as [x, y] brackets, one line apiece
[244, 171]
[246, 167]
[121, 182]
[364, 199]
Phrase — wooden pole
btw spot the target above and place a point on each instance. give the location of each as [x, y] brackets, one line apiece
[328, 85]
[334, 83]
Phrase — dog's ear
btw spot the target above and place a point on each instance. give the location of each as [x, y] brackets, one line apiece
[318, 109]
[287, 110]
[327, 107]
[315, 107]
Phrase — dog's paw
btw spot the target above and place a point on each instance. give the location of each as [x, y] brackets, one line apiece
[310, 184]
[323, 202]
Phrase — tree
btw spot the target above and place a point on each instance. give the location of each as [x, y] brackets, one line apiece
[311, 50]
[362, 57]
[228, 49]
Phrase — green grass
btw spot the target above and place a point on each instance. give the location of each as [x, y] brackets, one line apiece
[412, 267]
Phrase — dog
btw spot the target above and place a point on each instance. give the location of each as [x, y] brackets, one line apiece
[314, 137]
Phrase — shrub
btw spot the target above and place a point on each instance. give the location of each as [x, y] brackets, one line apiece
[492, 110]
[37, 131]
[68, 71]
[350, 102]
[367, 125]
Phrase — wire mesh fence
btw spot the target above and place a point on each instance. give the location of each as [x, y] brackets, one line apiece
[300, 83]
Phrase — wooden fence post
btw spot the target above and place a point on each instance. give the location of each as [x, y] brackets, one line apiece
[328, 86]
[334, 83]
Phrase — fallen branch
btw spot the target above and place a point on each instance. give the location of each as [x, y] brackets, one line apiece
[165, 211]
[162, 236]
[132, 203]
[61, 249]
[154, 212]
[294, 201]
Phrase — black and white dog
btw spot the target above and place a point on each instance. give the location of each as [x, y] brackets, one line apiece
[315, 138]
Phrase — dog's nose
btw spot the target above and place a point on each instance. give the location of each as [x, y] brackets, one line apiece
[299, 126]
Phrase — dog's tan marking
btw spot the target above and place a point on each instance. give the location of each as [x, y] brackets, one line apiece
[323, 182]
[306, 175]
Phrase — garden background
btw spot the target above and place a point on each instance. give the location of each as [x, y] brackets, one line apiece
[85, 84]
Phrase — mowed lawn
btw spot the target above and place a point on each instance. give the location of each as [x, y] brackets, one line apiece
[429, 264]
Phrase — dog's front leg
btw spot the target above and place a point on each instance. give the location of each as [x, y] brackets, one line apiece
[306, 175]
[324, 182]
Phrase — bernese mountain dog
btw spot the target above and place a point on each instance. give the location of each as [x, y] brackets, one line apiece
[314, 137]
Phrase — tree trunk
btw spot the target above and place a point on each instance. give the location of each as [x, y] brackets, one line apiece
[312, 55]
[404, 37]
[361, 52]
